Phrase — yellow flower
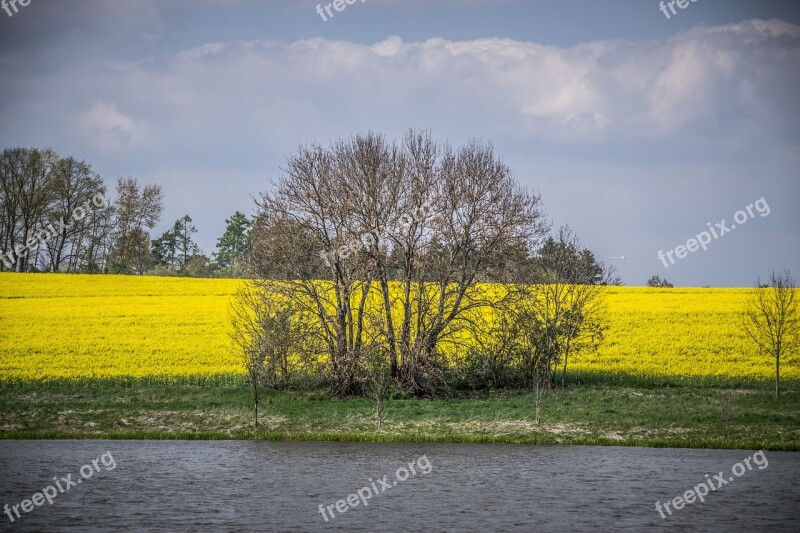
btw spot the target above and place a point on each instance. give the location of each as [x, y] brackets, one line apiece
[58, 326]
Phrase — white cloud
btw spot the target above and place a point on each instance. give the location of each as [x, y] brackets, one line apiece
[724, 82]
[110, 129]
[591, 91]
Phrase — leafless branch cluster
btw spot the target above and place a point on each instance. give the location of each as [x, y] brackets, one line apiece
[272, 338]
[772, 319]
[422, 277]
[535, 334]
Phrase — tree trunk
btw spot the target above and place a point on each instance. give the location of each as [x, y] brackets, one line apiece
[255, 418]
[777, 377]
[387, 303]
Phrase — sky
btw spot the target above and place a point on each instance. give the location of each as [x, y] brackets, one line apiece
[639, 130]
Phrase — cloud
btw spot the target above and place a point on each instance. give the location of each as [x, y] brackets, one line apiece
[589, 92]
[724, 85]
[110, 129]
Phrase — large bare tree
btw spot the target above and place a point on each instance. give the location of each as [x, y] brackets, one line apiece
[478, 210]
[306, 214]
[418, 223]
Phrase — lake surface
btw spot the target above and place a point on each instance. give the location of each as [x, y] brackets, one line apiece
[279, 486]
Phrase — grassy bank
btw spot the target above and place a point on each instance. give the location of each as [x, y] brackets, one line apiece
[585, 414]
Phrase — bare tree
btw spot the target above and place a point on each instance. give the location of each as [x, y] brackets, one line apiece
[533, 348]
[138, 209]
[95, 241]
[771, 319]
[494, 351]
[53, 212]
[366, 210]
[372, 172]
[270, 337]
[539, 368]
[74, 186]
[377, 381]
[563, 314]
[26, 192]
[308, 214]
[246, 334]
[316, 225]
[477, 209]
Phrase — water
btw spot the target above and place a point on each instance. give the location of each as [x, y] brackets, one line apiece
[279, 486]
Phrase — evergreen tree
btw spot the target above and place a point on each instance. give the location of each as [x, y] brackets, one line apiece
[233, 241]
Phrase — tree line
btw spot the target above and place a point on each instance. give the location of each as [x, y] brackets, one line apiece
[56, 216]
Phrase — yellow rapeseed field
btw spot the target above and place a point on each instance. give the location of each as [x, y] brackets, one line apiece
[681, 333]
[91, 326]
